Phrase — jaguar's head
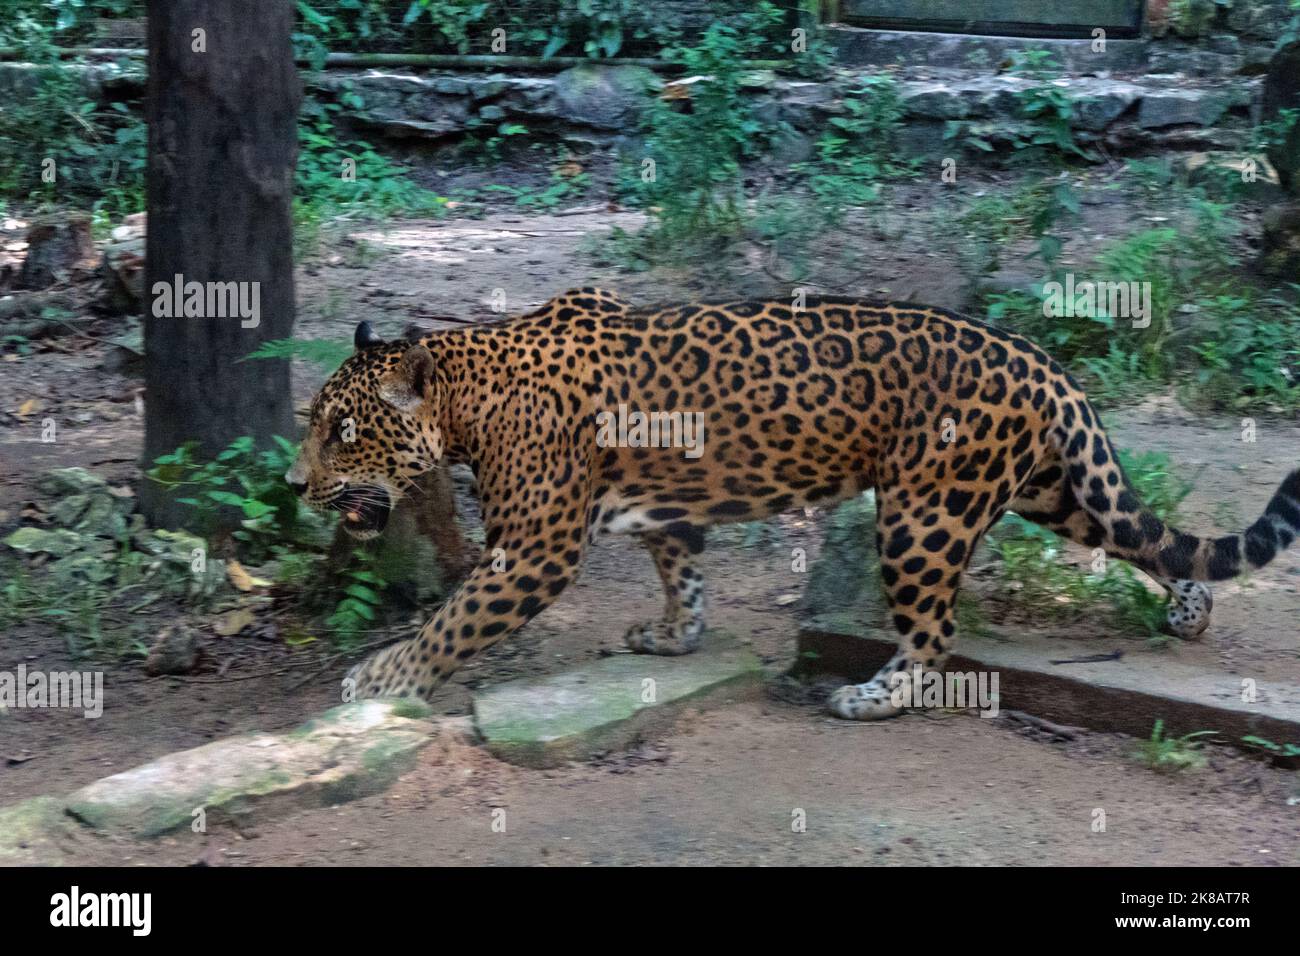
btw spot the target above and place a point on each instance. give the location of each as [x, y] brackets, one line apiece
[374, 428]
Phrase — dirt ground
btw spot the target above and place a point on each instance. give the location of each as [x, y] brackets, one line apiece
[722, 787]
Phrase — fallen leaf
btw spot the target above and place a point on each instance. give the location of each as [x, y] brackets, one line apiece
[296, 638]
[785, 599]
[232, 622]
[27, 407]
[241, 579]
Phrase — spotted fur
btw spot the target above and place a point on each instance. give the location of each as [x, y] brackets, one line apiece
[950, 421]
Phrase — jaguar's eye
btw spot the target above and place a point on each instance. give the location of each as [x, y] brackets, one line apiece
[336, 433]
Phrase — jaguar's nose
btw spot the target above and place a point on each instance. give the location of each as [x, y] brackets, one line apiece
[298, 489]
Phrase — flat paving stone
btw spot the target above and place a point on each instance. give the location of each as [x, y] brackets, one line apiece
[348, 752]
[1053, 678]
[609, 704]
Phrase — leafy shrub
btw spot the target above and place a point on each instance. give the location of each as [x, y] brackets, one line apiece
[695, 191]
[250, 481]
[98, 154]
[380, 187]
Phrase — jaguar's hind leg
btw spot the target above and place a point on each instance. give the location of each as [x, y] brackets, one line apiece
[921, 564]
[679, 631]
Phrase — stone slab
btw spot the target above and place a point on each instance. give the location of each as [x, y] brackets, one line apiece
[608, 704]
[348, 752]
[1126, 695]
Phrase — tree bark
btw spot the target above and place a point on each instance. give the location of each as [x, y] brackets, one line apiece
[222, 106]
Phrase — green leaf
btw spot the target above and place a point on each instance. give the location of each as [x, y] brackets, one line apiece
[226, 498]
[363, 593]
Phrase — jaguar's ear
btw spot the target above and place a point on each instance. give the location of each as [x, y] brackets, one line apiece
[365, 337]
[410, 384]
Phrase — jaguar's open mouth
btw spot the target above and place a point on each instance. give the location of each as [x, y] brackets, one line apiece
[365, 510]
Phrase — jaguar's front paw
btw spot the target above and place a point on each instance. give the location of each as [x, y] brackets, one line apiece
[870, 701]
[664, 638]
[386, 673]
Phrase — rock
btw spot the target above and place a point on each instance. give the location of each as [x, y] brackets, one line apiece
[865, 47]
[126, 357]
[1097, 111]
[791, 147]
[1280, 245]
[934, 101]
[33, 832]
[57, 248]
[401, 128]
[175, 652]
[604, 705]
[58, 543]
[843, 580]
[70, 481]
[1282, 91]
[1193, 61]
[924, 140]
[1175, 107]
[488, 87]
[1262, 19]
[123, 270]
[451, 85]
[605, 97]
[348, 752]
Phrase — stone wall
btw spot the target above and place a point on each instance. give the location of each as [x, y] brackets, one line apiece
[602, 106]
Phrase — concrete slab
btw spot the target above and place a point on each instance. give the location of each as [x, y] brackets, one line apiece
[608, 704]
[1126, 695]
[856, 46]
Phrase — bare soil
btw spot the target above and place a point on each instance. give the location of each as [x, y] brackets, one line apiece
[723, 786]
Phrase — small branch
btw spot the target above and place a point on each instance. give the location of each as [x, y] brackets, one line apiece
[1046, 726]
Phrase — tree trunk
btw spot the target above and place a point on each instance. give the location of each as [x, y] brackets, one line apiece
[222, 108]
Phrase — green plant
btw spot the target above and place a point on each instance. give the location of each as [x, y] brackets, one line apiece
[563, 187]
[250, 481]
[1043, 128]
[1192, 18]
[1032, 574]
[1150, 474]
[361, 601]
[1285, 751]
[326, 354]
[691, 179]
[493, 148]
[1248, 351]
[334, 176]
[858, 150]
[1032, 211]
[1172, 754]
[58, 146]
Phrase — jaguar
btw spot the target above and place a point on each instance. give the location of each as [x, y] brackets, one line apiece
[950, 421]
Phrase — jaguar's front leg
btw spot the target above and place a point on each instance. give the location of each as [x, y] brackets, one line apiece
[683, 621]
[501, 594]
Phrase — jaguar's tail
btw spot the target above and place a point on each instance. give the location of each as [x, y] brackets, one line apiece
[1141, 538]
